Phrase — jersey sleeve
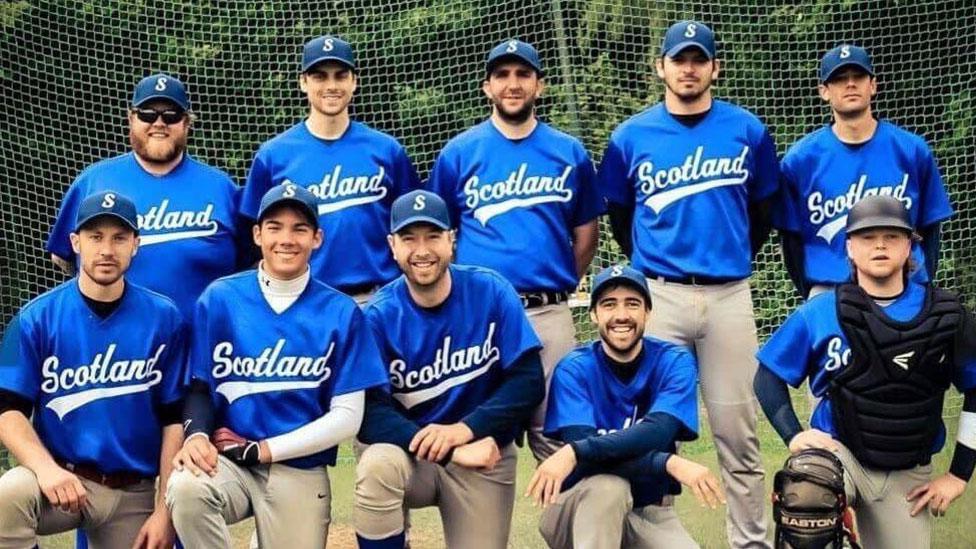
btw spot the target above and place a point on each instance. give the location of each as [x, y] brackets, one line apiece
[612, 176]
[515, 336]
[198, 362]
[20, 365]
[765, 181]
[405, 178]
[935, 206]
[787, 352]
[173, 385]
[58, 242]
[589, 203]
[676, 393]
[443, 182]
[258, 182]
[569, 402]
[374, 325]
[357, 359]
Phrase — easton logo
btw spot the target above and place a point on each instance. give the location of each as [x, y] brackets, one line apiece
[339, 191]
[835, 209]
[903, 359]
[696, 175]
[165, 225]
[810, 522]
[487, 200]
[269, 371]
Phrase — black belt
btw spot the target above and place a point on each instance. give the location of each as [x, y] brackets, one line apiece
[357, 289]
[531, 300]
[695, 280]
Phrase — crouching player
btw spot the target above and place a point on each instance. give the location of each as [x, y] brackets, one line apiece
[279, 362]
[620, 404]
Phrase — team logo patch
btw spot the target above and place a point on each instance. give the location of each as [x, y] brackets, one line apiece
[821, 209]
[161, 224]
[696, 175]
[519, 190]
[269, 371]
[339, 191]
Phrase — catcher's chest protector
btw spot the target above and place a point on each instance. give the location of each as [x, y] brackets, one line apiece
[809, 501]
[887, 402]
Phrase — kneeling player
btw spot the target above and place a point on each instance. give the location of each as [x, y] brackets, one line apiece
[464, 377]
[279, 361]
[620, 404]
[880, 352]
[99, 362]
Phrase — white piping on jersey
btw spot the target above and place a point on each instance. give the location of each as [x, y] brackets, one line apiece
[717, 171]
[158, 218]
[269, 363]
[280, 294]
[343, 192]
[537, 189]
[446, 362]
[822, 209]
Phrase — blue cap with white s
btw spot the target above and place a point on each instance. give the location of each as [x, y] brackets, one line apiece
[161, 86]
[419, 206]
[845, 55]
[615, 275]
[516, 50]
[107, 203]
[688, 34]
[327, 48]
[290, 193]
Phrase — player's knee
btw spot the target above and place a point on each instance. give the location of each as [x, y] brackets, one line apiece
[187, 495]
[607, 494]
[18, 490]
[382, 468]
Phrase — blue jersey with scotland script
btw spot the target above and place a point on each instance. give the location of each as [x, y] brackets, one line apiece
[187, 235]
[96, 383]
[271, 373]
[585, 393]
[516, 202]
[823, 178]
[445, 361]
[356, 178]
[690, 188]
[811, 344]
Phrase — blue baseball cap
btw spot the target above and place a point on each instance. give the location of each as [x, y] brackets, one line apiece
[688, 34]
[161, 86]
[107, 203]
[327, 48]
[290, 193]
[844, 55]
[419, 206]
[619, 274]
[517, 50]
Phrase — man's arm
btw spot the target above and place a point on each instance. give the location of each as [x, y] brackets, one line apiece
[382, 422]
[585, 238]
[760, 224]
[656, 432]
[791, 246]
[931, 247]
[621, 225]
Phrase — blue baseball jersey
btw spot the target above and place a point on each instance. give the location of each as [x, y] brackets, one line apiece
[96, 383]
[811, 344]
[467, 342]
[691, 188]
[516, 202]
[271, 373]
[186, 223]
[585, 393]
[824, 177]
[356, 178]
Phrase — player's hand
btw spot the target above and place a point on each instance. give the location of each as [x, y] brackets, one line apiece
[698, 478]
[238, 449]
[813, 438]
[62, 488]
[548, 478]
[157, 532]
[434, 441]
[481, 454]
[937, 494]
[198, 455]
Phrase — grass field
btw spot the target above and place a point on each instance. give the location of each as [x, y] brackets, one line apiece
[705, 525]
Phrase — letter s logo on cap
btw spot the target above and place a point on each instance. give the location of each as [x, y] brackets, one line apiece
[289, 191]
[109, 200]
[420, 202]
[161, 83]
[617, 270]
[512, 46]
[328, 44]
[845, 52]
[691, 30]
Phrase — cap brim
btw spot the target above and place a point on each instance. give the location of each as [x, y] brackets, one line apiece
[877, 223]
[682, 46]
[492, 63]
[857, 64]
[157, 96]
[620, 280]
[324, 58]
[312, 214]
[89, 219]
[419, 219]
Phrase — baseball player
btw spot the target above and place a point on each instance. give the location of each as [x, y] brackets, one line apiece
[620, 403]
[880, 352]
[188, 221]
[523, 197]
[97, 363]
[464, 376]
[278, 365]
[692, 215]
[829, 170]
[355, 171]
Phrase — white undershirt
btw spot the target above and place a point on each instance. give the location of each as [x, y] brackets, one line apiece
[280, 294]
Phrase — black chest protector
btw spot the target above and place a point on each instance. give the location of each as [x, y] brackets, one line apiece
[887, 402]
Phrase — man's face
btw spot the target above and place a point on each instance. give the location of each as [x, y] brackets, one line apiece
[849, 91]
[423, 252]
[105, 247]
[620, 314]
[689, 74]
[287, 239]
[879, 253]
[329, 87]
[158, 142]
[513, 88]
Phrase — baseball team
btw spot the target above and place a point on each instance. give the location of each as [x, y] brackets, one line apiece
[218, 343]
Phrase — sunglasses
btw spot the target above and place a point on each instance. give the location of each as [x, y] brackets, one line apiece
[149, 116]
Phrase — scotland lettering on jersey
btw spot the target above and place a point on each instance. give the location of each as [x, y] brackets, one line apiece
[161, 224]
[835, 208]
[695, 175]
[104, 377]
[339, 191]
[452, 366]
[269, 371]
[518, 190]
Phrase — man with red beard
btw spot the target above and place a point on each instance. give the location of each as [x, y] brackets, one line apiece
[187, 211]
